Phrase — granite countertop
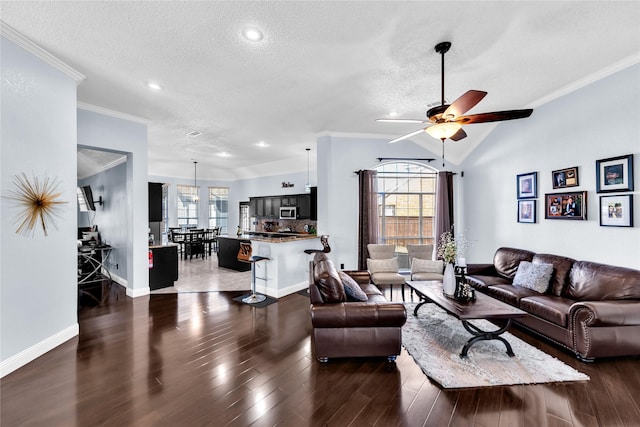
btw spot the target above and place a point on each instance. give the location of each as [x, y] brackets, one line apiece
[273, 237]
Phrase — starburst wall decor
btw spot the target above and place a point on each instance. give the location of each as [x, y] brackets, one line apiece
[39, 203]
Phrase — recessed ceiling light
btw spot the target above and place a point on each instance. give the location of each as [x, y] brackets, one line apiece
[262, 144]
[393, 113]
[224, 154]
[154, 86]
[252, 34]
[194, 133]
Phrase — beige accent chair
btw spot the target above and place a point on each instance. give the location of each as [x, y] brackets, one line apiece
[423, 267]
[383, 267]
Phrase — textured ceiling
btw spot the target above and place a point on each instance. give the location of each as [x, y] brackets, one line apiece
[322, 67]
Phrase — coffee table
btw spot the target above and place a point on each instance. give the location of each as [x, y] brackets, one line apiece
[484, 307]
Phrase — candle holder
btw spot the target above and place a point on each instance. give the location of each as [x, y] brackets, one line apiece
[464, 292]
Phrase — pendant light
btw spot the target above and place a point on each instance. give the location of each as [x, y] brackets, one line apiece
[307, 188]
[195, 180]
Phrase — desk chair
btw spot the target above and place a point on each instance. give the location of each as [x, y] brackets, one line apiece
[383, 267]
[244, 255]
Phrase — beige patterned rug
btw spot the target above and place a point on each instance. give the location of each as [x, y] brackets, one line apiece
[434, 339]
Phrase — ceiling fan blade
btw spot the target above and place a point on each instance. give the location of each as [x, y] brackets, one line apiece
[409, 135]
[459, 135]
[463, 104]
[401, 121]
[496, 116]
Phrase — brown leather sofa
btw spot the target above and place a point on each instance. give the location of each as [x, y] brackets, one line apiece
[344, 328]
[589, 308]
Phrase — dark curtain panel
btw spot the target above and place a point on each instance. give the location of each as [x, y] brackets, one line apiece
[368, 221]
[444, 204]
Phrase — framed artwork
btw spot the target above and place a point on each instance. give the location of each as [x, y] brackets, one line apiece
[527, 211]
[616, 211]
[527, 184]
[614, 174]
[565, 177]
[566, 205]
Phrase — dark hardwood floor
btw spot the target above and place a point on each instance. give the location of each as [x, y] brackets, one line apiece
[201, 359]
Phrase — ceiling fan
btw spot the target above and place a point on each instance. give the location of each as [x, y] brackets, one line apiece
[445, 120]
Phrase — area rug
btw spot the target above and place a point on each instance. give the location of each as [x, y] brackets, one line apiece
[434, 339]
[261, 304]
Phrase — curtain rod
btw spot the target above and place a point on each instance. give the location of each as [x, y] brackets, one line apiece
[404, 158]
[408, 173]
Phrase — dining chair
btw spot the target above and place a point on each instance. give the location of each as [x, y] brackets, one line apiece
[194, 244]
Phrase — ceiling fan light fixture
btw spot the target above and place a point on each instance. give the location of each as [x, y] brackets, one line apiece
[443, 130]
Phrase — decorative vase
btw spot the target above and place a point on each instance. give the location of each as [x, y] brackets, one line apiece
[449, 280]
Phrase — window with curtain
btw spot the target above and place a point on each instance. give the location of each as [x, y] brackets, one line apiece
[406, 206]
[219, 208]
[187, 206]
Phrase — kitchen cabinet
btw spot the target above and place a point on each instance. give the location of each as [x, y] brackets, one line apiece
[269, 207]
[289, 201]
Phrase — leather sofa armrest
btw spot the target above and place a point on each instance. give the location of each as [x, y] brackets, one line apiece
[606, 313]
[362, 277]
[358, 314]
[481, 269]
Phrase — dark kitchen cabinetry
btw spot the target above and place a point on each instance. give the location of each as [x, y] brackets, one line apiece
[269, 207]
[289, 201]
[164, 270]
[155, 202]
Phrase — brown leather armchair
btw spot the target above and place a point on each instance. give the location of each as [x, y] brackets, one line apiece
[346, 328]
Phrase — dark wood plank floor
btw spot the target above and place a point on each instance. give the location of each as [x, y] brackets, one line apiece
[201, 359]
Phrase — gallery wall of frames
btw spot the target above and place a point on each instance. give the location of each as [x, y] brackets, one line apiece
[614, 178]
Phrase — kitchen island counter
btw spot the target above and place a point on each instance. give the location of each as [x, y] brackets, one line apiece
[286, 271]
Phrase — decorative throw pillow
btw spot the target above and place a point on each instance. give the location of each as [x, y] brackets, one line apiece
[351, 288]
[328, 282]
[426, 266]
[533, 276]
[382, 265]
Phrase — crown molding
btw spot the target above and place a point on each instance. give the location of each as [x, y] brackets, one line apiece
[594, 77]
[14, 36]
[111, 113]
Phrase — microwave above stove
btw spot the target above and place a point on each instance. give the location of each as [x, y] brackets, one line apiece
[288, 213]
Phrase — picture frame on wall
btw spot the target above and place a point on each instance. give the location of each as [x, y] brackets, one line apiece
[563, 178]
[616, 211]
[527, 211]
[571, 206]
[614, 174]
[527, 185]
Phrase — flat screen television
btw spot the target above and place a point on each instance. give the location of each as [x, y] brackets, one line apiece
[85, 199]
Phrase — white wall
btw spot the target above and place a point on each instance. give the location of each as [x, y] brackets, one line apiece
[596, 122]
[38, 284]
[339, 157]
[108, 132]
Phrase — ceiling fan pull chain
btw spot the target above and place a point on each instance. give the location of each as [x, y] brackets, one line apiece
[443, 151]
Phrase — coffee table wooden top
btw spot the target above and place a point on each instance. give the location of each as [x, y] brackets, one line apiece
[484, 307]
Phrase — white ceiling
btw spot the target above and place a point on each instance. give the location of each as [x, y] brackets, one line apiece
[322, 67]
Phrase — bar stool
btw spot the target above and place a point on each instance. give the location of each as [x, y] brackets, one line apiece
[324, 239]
[244, 255]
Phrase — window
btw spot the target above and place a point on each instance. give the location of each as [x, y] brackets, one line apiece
[219, 208]
[165, 208]
[187, 206]
[406, 203]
